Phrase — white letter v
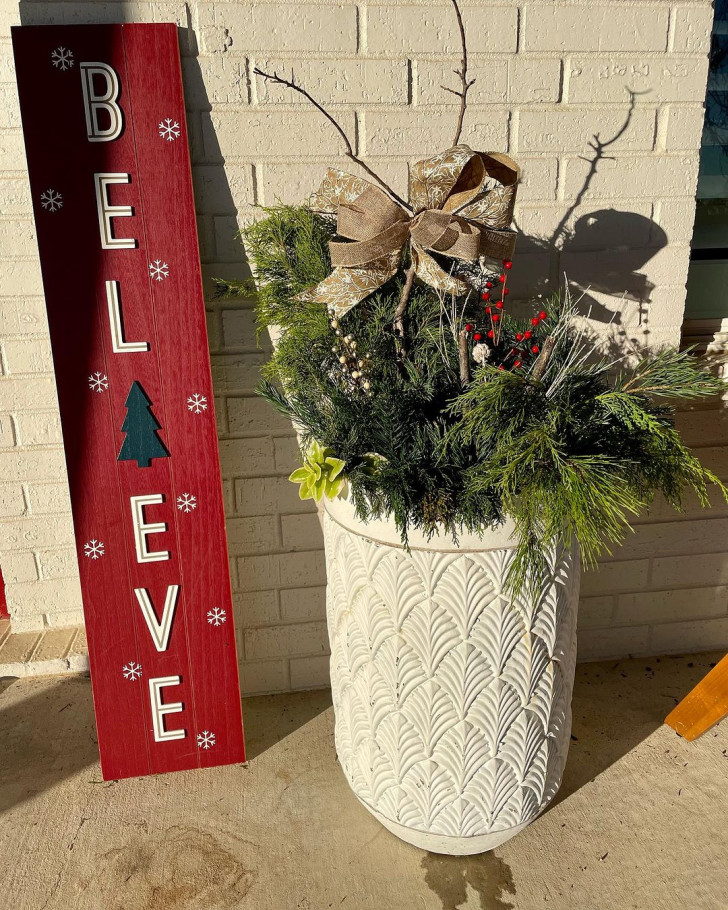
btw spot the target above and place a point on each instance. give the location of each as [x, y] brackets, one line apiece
[160, 631]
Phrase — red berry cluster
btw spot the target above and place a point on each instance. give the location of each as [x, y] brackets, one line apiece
[493, 310]
[522, 352]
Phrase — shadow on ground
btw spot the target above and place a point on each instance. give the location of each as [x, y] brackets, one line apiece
[616, 706]
[298, 709]
[46, 737]
[610, 720]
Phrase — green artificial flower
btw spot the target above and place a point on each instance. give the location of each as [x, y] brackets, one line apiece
[321, 474]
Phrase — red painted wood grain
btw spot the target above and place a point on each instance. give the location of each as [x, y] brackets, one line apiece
[170, 315]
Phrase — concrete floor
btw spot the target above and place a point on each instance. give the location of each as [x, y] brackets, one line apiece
[640, 822]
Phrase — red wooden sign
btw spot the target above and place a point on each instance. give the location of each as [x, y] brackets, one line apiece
[106, 140]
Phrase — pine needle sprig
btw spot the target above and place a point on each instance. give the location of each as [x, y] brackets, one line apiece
[670, 373]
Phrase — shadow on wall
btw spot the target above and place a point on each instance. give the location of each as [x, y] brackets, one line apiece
[257, 450]
[626, 241]
[83, 281]
[602, 253]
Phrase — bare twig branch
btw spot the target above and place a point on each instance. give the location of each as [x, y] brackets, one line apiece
[291, 83]
[541, 363]
[464, 357]
[398, 323]
[462, 73]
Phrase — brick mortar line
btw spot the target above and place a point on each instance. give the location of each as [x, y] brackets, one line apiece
[25, 336]
[287, 623]
[423, 4]
[383, 107]
[395, 158]
[361, 29]
[670, 622]
[299, 587]
[617, 155]
[8, 376]
[671, 27]
[283, 54]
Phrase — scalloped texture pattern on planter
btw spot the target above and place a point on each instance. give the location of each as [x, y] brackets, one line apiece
[452, 699]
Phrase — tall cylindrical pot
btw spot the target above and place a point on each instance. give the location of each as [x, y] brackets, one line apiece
[452, 699]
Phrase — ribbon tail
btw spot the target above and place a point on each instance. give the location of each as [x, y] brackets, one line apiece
[348, 285]
[428, 270]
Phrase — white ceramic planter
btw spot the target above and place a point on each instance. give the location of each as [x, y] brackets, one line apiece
[452, 699]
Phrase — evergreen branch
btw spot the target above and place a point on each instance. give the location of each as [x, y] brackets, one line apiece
[670, 374]
[234, 287]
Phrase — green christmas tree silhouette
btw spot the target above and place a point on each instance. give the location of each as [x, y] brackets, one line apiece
[142, 442]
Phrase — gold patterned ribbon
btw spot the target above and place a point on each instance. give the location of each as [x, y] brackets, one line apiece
[463, 206]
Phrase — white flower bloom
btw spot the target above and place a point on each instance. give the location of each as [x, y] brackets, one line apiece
[481, 353]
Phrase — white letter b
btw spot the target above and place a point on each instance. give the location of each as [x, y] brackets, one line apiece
[105, 100]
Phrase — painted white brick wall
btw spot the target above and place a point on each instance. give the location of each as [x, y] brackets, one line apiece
[550, 75]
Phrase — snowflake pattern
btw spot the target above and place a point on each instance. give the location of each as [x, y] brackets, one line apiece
[206, 739]
[186, 502]
[169, 129]
[98, 382]
[93, 549]
[132, 670]
[197, 403]
[216, 616]
[62, 58]
[158, 270]
[51, 200]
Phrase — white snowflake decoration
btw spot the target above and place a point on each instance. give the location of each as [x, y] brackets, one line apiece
[51, 200]
[206, 739]
[132, 670]
[216, 616]
[169, 129]
[98, 382]
[62, 58]
[158, 270]
[197, 403]
[186, 502]
[93, 549]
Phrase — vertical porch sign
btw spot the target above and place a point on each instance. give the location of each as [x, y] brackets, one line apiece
[106, 141]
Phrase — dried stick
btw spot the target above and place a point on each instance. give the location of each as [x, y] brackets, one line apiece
[463, 74]
[398, 323]
[290, 83]
[464, 359]
[539, 368]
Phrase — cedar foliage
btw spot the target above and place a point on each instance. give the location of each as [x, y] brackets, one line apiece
[572, 455]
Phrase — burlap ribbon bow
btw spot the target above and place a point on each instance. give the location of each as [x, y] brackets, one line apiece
[463, 206]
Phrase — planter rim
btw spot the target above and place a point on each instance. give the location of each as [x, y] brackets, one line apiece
[384, 531]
